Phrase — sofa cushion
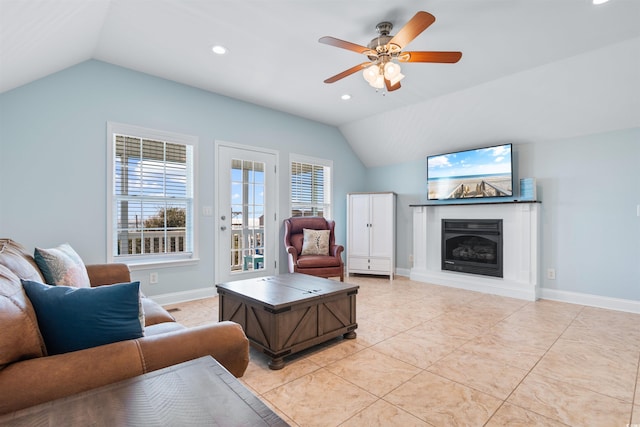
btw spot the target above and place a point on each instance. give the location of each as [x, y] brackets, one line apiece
[62, 266]
[318, 261]
[15, 257]
[19, 334]
[72, 319]
[315, 242]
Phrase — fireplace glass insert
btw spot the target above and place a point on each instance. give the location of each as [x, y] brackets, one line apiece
[472, 246]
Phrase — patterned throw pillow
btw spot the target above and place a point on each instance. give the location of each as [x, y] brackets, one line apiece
[62, 266]
[315, 242]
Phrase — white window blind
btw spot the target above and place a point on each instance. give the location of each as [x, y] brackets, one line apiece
[310, 189]
[152, 210]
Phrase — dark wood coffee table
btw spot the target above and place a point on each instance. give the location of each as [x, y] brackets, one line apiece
[198, 392]
[284, 314]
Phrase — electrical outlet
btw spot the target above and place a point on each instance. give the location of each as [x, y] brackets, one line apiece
[551, 273]
[153, 278]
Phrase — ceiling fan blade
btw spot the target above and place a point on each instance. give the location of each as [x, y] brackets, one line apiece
[413, 28]
[444, 57]
[390, 88]
[348, 72]
[332, 41]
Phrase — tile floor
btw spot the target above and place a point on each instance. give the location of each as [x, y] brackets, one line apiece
[429, 355]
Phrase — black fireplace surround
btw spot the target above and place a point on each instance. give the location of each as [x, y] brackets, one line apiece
[472, 246]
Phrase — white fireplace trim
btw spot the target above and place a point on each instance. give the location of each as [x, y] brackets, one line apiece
[520, 248]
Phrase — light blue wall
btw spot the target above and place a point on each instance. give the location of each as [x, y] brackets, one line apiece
[53, 156]
[589, 188]
[53, 175]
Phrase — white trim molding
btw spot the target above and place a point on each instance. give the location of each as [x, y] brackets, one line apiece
[631, 306]
[178, 297]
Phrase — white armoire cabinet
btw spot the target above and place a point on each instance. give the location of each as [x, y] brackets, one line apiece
[371, 233]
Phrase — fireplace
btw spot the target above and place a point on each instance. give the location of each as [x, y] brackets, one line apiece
[472, 246]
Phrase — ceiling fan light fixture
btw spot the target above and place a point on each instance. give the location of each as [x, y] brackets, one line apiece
[371, 73]
[378, 83]
[391, 70]
[396, 79]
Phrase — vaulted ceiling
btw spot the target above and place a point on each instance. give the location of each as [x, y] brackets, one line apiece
[530, 71]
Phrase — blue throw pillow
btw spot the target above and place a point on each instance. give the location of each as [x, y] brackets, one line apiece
[62, 266]
[72, 319]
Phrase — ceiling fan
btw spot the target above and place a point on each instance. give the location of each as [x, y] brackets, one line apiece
[381, 70]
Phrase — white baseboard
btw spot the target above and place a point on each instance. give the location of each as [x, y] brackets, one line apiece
[631, 306]
[177, 297]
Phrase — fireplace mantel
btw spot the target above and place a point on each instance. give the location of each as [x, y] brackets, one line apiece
[520, 240]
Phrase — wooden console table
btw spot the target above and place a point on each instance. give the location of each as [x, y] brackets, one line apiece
[287, 313]
[198, 392]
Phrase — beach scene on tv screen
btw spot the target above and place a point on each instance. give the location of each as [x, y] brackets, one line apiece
[485, 172]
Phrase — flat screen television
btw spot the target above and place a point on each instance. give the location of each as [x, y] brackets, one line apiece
[478, 173]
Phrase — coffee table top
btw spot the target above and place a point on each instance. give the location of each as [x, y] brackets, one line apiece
[285, 289]
[198, 392]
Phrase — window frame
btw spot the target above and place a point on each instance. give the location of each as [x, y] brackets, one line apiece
[328, 181]
[148, 260]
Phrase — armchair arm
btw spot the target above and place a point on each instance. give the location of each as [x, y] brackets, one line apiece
[224, 341]
[292, 257]
[336, 250]
[108, 274]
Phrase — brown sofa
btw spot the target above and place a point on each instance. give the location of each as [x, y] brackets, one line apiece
[28, 376]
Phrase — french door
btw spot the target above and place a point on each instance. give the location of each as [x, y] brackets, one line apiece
[246, 226]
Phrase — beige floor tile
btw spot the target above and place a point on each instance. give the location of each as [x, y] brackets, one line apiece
[593, 317]
[512, 352]
[195, 313]
[593, 367]
[447, 356]
[442, 402]
[373, 371]
[400, 320]
[417, 351]
[481, 373]
[319, 399]
[334, 350]
[498, 305]
[569, 404]
[262, 379]
[514, 416]
[447, 326]
[556, 311]
[539, 337]
[373, 332]
[616, 339]
[384, 414]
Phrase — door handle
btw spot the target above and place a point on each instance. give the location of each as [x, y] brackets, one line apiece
[223, 228]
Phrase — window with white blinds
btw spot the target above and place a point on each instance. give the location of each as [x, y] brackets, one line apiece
[310, 186]
[152, 209]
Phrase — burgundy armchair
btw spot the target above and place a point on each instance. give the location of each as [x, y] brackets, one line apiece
[329, 265]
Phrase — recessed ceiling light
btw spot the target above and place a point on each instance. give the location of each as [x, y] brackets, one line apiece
[345, 97]
[220, 50]
[599, 1]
